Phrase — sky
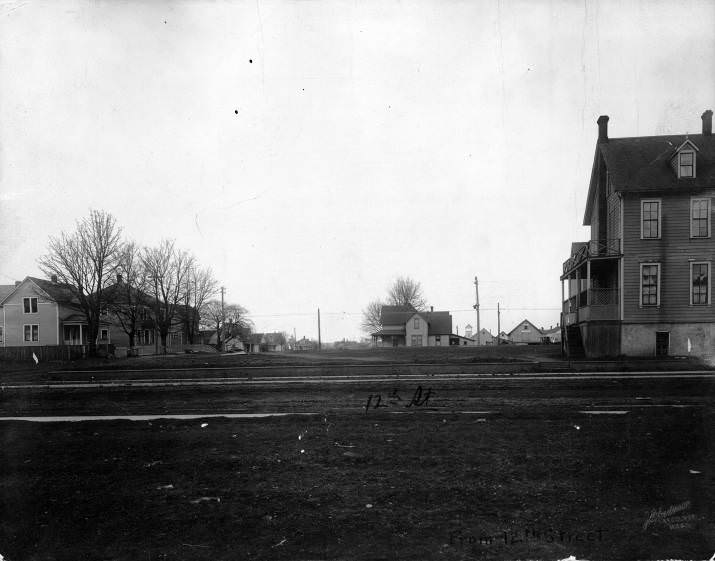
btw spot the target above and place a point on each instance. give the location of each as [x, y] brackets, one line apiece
[310, 152]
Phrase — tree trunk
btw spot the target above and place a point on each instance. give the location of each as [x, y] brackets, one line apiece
[164, 334]
[92, 330]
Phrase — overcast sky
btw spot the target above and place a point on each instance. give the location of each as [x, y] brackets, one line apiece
[312, 151]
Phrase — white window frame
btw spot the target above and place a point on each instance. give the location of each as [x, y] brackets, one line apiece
[416, 323]
[660, 218]
[692, 202]
[690, 286]
[102, 330]
[680, 156]
[32, 327]
[29, 299]
[640, 286]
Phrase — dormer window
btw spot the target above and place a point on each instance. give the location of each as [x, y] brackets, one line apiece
[683, 160]
[686, 164]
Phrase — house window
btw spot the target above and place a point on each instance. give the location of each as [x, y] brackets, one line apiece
[526, 327]
[700, 218]
[686, 164]
[104, 334]
[438, 340]
[416, 340]
[29, 305]
[650, 284]
[650, 219]
[31, 332]
[145, 337]
[1, 334]
[417, 323]
[699, 283]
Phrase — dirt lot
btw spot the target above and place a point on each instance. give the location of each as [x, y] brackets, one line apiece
[486, 468]
[532, 483]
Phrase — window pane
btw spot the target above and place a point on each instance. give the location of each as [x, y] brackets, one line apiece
[27, 333]
[26, 305]
[700, 283]
[650, 211]
[35, 332]
[33, 306]
[649, 285]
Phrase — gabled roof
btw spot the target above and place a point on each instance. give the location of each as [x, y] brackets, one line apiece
[440, 323]
[396, 315]
[643, 164]
[522, 322]
[59, 292]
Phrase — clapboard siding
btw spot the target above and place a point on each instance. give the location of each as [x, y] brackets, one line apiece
[614, 217]
[673, 251]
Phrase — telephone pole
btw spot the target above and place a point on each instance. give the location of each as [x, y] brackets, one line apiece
[498, 324]
[223, 319]
[319, 342]
[476, 307]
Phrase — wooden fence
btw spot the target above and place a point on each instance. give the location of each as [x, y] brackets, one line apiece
[43, 353]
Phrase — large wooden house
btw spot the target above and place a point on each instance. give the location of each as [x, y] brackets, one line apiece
[641, 286]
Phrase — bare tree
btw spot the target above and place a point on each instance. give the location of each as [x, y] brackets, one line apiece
[406, 292]
[200, 286]
[85, 260]
[372, 317]
[236, 320]
[228, 320]
[212, 315]
[127, 299]
[167, 270]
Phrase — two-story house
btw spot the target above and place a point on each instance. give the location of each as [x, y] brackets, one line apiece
[641, 286]
[40, 312]
[406, 326]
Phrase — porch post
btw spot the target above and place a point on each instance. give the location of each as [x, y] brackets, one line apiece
[588, 282]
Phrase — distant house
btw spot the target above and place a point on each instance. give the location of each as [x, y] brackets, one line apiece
[265, 343]
[304, 344]
[404, 326]
[551, 335]
[485, 338]
[525, 332]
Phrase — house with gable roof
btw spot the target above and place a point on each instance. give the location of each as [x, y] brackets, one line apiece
[404, 326]
[40, 312]
[525, 332]
[641, 286]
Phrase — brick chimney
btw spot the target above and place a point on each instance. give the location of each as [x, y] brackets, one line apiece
[707, 118]
[603, 128]
[18, 283]
[53, 278]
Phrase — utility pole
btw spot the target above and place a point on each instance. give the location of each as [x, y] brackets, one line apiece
[498, 324]
[319, 343]
[476, 307]
[223, 319]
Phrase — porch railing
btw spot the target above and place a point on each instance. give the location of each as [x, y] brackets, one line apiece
[594, 248]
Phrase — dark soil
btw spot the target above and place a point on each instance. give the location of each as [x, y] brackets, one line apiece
[537, 483]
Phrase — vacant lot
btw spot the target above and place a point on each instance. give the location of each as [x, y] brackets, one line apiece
[533, 482]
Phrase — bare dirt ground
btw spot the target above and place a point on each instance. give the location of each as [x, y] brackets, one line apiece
[488, 468]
